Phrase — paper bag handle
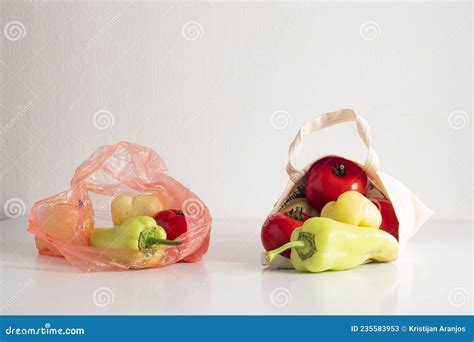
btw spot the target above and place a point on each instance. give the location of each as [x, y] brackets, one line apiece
[371, 165]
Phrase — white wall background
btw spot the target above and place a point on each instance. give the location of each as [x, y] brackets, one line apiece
[206, 104]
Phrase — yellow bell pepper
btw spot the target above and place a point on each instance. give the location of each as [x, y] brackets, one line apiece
[323, 244]
[353, 208]
[125, 207]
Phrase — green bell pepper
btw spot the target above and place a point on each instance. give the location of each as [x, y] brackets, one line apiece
[140, 232]
[323, 244]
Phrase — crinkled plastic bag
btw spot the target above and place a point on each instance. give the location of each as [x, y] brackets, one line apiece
[62, 223]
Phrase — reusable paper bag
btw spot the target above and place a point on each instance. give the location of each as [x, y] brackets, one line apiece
[410, 211]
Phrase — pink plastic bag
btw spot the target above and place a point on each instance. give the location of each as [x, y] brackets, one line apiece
[62, 223]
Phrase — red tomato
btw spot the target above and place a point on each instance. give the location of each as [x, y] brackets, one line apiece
[389, 218]
[276, 231]
[331, 176]
[173, 222]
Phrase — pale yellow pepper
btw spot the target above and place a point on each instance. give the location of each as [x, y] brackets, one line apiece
[323, 244]
[353, 208]
[125, 207]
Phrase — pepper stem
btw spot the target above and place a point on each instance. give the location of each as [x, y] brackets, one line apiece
[155, 241]
[296, 213]
[270, 255]
[150, 238]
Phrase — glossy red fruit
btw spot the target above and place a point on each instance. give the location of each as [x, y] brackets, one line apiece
[276, 231]
[173, 222]
[389, 218]
[331, 176]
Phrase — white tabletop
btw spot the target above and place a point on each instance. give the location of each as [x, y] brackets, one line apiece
[434, 275]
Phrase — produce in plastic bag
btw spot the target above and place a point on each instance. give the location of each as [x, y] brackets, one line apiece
[63, 223]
